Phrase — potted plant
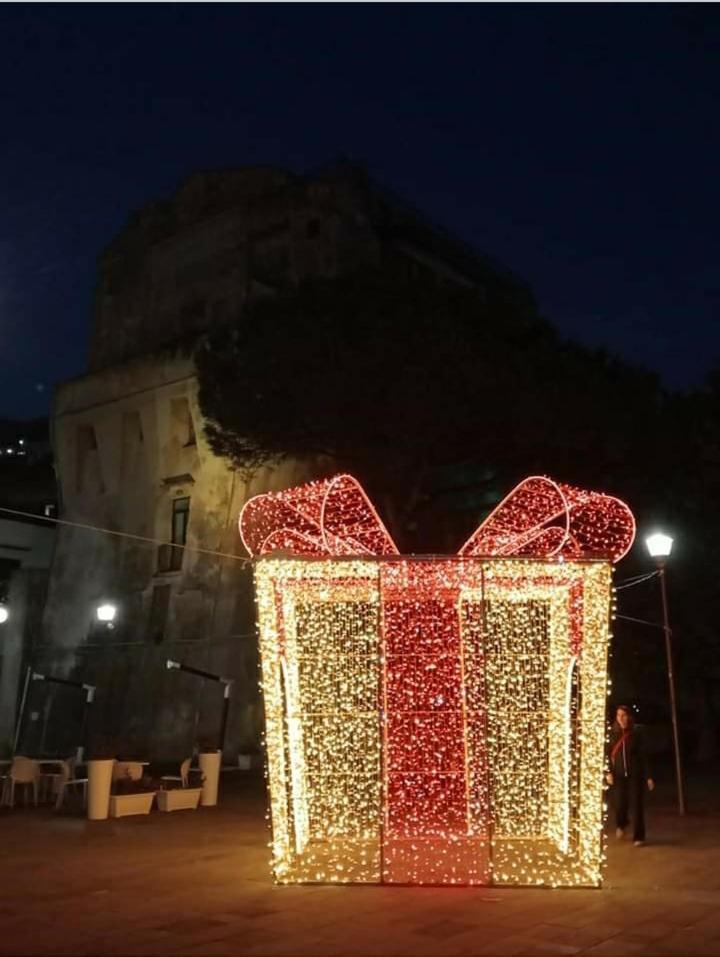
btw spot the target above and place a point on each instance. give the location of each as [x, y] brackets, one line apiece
[174, 797]
[100, 768]
[132, 797]
[209, 759]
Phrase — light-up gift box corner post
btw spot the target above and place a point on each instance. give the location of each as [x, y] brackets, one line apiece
[436, 720]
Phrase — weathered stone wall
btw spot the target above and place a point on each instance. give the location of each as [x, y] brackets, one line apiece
[227, 236]
[128, 442]
[18, 638]
[30, 546]
[223, 237]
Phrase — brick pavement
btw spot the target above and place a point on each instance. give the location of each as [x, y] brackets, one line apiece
[198, 883]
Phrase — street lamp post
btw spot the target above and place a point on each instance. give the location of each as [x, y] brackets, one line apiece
[660, 546]
[227, 688]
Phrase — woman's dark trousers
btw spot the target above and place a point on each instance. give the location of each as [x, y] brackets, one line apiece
[629, 804]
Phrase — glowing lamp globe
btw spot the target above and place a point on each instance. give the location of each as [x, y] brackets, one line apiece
[659, 545]
[4, 614]
[106, 613]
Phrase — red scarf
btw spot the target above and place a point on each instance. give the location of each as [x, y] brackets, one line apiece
[620, 742]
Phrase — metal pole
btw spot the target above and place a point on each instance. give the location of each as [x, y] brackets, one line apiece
[21, 711]
[227, 682]
[85, 724]
[226, 708]
[671, 682]
[193, 671]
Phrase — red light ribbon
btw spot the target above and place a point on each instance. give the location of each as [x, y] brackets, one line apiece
[437, 821]
[540, 518]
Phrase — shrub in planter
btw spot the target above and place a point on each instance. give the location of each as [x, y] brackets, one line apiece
[126, 785]
[132, 797]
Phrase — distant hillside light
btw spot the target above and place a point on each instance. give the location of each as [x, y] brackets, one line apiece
[659, 545]
[4, 614]
[106, 612]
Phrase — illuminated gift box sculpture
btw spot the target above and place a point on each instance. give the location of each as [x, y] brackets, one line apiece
[435, 720]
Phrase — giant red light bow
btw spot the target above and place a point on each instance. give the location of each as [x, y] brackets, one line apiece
[540, 518]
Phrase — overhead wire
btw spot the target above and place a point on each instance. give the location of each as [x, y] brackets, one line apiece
[636, 580]
[642, 621]
[144, 539]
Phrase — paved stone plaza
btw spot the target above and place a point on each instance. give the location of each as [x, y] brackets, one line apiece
[197, 883]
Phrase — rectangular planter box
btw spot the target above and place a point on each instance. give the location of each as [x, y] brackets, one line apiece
[123, 805]
[179, 799]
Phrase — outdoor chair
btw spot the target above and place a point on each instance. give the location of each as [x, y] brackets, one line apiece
[122, 770]
[23, 771]
[67, 781]
[183, 777]
[51, 781]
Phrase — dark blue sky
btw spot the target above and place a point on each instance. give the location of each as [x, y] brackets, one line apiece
[579, 144]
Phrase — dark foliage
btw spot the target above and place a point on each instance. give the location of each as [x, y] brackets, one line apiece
[438, 399]
[434, 397]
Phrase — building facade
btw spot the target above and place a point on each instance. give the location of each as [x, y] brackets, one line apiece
[154, 512]
[27, 539]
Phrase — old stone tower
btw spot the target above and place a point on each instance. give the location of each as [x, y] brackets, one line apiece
[131, 456]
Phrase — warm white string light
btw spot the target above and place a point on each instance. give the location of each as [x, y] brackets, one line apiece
[436, 720]
[420, 722]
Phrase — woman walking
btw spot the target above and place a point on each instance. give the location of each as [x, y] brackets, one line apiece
[629, 775]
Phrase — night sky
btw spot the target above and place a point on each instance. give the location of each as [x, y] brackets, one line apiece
[578, 144]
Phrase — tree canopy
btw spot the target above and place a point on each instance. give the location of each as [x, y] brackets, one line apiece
[438, 399]
[435, 398]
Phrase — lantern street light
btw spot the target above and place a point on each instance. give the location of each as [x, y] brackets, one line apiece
[106, 613]
[659, 547]
[4, 614]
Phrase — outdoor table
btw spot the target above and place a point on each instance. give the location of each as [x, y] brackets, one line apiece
[121, 766]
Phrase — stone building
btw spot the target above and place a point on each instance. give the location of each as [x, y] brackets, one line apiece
[131, 455]
[27, 498]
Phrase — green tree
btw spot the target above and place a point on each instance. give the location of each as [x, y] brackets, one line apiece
[435, 396]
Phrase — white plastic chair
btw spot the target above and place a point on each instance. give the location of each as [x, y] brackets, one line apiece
[67, 781]
[51, 781]
[127, 769]
[22, 771]
[183, 777]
